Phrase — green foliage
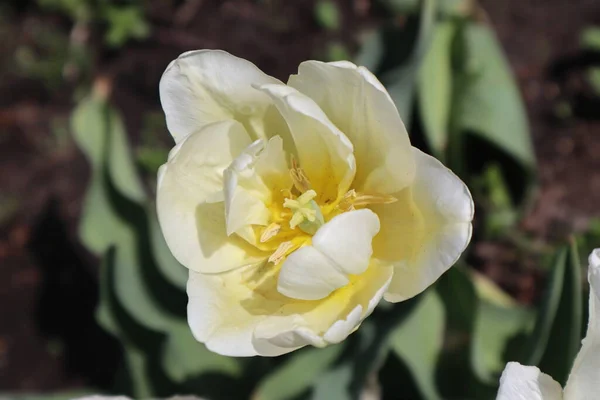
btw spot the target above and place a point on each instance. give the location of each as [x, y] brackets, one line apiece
[418, 341]
[142, 297]
[123, 22]
[590, 38]
[470, 113]
[590, 41]
[327, 14]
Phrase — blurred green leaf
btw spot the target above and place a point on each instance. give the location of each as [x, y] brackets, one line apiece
[168, 266]
[400, 80]
[151, 158]
[488, 101]
[495, 198]
[487, 290]
[327, 14]
[334, 384]
[418, 341]
[494, 327]
[456, 8]
[121, 167]
[298, 374]
[185, 358]
[434, 87]
[46, 396]
[536, 344]
[337, 51]
[565, 334]
[372, 50]
[99, 223]
[556, 337]
[590, 38]
[593, 77]
[125, 23]
[110, 214]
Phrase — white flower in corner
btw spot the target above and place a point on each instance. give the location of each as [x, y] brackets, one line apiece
[298, 206]
[519, 382]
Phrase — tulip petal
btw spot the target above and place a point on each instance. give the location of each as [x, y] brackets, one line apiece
[252, 318]
[308, 274]
[207, 86]
[324, 152]
[519, 382]
[192, 178]
[426, 230]
[346, 240]
[584, 379]
[339, 248]
[250, 182]
[358, 104]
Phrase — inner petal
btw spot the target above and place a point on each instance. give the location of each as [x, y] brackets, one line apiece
[251, 183]
[340, 249]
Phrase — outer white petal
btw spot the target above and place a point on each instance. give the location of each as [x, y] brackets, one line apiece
[358, 104]
[425, 232]
[193, 226]
[324, 152]
[519, 382]
[206, 86]
[584, 380]
[282, 334]
[241, 313]
[339, 248]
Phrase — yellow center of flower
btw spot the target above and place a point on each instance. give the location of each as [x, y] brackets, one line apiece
[299, 215]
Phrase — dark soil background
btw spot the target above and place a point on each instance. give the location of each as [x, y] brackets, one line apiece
[48, 338]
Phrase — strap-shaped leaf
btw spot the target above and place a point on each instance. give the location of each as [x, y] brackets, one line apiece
[488, 101]
[297, 374]
[418, 342]
[434, 87]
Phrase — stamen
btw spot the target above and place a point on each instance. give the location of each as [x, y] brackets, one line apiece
[299, 179]
[270, 232]
[282, 251]
[367, 199]
[351, 200]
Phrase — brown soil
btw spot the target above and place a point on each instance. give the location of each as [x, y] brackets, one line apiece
[44, 271]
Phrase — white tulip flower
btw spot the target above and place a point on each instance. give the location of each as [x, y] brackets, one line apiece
[519, 382]
[296, 207]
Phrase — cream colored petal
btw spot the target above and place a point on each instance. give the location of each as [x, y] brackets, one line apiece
[324, 152]
[308, 274]
[241, 313]
[519, 382]
[250, 182]
[358, 104]
[346, 240]
[193, 226]
[426, 230]
[340, 248]
[206, 86]
[246, 195]
[584, 379]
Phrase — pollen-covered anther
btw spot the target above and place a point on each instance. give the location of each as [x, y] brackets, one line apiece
[352, 200]
[270, 232]
[299, 178]
[282, 251]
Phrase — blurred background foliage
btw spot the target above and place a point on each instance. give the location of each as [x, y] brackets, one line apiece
[112, 302]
